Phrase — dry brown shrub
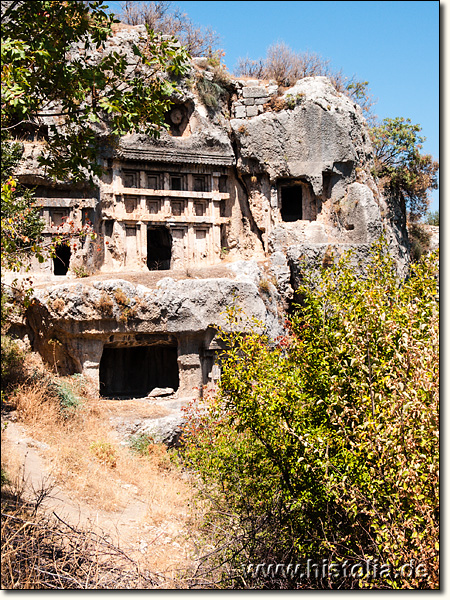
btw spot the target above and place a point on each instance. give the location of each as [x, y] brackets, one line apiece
[419, 239]
[105, 452]
[251, 69]
[276, 104]
[120, 297]
[106, 305]
[160, 17]
[264, 286]
[58, 304]
[158, 455]
[43, 552]
[285, 66]
[37, 407]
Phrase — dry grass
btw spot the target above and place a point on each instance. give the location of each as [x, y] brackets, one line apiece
[264, 286]
[43, 552]
[105, 304]
[78, 463]
[150, 494]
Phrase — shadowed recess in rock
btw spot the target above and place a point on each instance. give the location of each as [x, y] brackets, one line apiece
[61, 260]
[134, 372]
[159, 248]
[291, 202]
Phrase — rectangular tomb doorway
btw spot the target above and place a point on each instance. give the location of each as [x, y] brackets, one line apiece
[133, 372]
[61, 259]
[159, 248]
[291, 203]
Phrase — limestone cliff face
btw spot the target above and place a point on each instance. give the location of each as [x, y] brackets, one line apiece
[317, 128]
[320, 142]
[247, 176]
[279, 167]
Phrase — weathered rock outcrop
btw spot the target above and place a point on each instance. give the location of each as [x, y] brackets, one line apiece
[322, 128]
[72, 324]
[256, 179]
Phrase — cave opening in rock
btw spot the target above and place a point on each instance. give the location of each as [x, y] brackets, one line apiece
[159, 248]
[291, 203]
[178, 117]
[61, 259]
[133, 372]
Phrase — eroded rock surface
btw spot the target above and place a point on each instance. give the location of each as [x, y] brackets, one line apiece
[95, 328]
[258, 181]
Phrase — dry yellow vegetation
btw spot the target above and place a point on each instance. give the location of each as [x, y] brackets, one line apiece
[142, 500]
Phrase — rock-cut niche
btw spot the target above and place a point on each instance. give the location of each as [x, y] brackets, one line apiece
[177, 118]
[61, 259]
[291, 202]
[159, 248]
[297, 201]
[133, 372]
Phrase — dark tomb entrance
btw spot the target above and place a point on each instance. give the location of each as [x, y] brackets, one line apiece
[159, 248]
[61, 259]
[291, 203]
[133, 372]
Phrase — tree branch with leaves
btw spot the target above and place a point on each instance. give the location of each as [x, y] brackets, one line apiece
[56, 63]
[400, 166]
[61, 71]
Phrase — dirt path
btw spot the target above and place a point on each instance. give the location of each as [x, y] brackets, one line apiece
[161, 546]
[123, 526]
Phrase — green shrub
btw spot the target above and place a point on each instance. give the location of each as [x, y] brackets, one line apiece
[13, 370]
[292, 101]
[69, 401]
[140, 443]
[432, 218]
[80, 271]
[325, 446]
[211, 93]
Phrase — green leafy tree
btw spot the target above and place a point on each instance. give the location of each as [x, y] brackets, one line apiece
[55, 63]
[400, 166]
[58, 72]
[325, 445]
[432, 218]
[21, 225]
